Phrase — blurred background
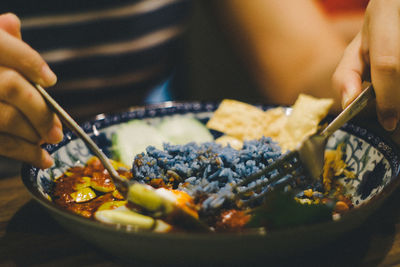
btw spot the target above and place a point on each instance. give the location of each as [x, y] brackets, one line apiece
[209, 69]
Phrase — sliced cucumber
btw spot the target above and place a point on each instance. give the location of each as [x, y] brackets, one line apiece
[181, 130]
[132, 138]
[125, 216]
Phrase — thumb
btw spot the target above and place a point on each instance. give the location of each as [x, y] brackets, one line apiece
[11, 24]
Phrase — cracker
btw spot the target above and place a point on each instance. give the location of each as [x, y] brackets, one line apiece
[229, 140]
[306, 114]
[238, 119]
[275, 121]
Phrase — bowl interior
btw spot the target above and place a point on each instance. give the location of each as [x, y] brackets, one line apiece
[374, 160]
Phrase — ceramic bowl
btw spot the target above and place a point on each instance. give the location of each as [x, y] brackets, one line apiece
[373, 158]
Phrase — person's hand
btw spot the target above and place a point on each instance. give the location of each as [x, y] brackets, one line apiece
[25, 120]
[375, 54]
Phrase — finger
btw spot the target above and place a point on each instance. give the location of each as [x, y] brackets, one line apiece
[347, 78]
[16, 91]
[364, 42]
[11, 24]
[20, 149]
[384, 49]
[12, 122]
[16, 54]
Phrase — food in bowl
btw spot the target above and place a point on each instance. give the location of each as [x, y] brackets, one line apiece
[200, 176]
[367, 152]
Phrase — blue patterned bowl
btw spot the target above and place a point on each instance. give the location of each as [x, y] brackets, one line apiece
[373, 159]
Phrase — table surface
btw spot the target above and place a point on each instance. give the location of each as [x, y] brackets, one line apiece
[30, 236]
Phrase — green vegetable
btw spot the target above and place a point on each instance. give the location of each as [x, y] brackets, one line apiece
[124, 216]
[83, 195]
[83, 183]
[147, 197]
[111, 205]
[281, 210]
[181, 130]
[132, 138]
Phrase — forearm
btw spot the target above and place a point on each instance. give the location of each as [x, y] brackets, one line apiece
[287, 46]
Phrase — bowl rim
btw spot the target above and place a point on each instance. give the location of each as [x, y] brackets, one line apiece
[103, 120]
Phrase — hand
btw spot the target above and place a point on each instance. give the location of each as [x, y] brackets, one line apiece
[25, 120]
[374, 53]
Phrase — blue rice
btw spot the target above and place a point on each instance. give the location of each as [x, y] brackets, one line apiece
[206, 171]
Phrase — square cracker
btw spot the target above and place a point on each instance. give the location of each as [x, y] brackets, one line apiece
[306, 115]
[238, 119]
[246, 122]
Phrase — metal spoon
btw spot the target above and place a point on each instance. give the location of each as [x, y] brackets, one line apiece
[73, 126]
[134, 192]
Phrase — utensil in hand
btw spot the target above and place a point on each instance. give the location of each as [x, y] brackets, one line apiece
[136, 193]
[306, 160]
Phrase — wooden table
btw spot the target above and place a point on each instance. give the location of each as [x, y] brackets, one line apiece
[29, 236]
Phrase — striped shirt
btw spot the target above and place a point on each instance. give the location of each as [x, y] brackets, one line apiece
[106, 54]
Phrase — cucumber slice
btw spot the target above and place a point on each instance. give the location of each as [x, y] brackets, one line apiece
[181, 130]
[125, 216]
[132, 138]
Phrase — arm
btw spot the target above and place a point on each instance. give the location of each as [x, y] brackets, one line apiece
[25, 120]
[287, 45]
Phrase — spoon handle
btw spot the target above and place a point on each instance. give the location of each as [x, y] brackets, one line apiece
[350, 111]
[73, 126]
